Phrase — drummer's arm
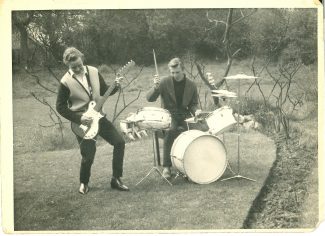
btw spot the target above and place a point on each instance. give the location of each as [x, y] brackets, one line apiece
[153, 94]
[216, 101]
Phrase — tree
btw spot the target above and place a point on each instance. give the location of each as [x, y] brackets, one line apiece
[21, 21]
[53, 29]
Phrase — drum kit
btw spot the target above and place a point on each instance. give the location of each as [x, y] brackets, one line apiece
[200, 165]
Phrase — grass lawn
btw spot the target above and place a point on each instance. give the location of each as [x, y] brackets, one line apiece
[46, 168]
[46, 197]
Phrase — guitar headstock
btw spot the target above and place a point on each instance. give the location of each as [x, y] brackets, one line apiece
[126, 67]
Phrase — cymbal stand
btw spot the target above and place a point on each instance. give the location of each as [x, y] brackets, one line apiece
[238, 175]
[155, 166]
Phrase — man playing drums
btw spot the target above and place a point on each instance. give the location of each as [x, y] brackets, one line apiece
[180, 97]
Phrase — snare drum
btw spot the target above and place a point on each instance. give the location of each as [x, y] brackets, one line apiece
[220, 120]
[200, 156]
[153, 118]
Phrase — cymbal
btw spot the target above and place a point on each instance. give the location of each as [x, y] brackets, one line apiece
[220, 91]
[241, 76]
[223, 93]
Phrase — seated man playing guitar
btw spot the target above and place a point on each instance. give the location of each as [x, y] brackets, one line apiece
[79, 86]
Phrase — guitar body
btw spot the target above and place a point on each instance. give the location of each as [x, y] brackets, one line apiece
[88, 132]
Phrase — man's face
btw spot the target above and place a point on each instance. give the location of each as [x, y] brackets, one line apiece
[176, 73]
[77, 66]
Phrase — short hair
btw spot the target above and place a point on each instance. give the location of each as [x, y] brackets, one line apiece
[71, 54]
[175, 62]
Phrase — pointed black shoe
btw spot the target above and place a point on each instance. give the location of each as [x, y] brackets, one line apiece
[116, 183]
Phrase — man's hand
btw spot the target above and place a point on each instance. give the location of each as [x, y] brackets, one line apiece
[86, 120]
[198, 112]
[118, 81]
[156, 81]
[210, 78]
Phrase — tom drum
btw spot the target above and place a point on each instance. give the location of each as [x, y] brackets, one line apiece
[220, 120]
[153, 118]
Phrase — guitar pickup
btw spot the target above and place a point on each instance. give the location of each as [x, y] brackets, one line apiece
[84, 127]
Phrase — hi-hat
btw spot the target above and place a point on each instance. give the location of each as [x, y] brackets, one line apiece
[241, 76]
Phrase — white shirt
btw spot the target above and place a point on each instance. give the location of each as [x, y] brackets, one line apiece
[81, 78]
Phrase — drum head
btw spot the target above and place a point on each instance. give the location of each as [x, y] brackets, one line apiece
[205, 159]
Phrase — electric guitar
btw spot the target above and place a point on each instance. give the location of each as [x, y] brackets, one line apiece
[94, 111]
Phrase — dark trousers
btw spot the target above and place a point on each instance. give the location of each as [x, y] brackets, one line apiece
[88, 149]
[176, 128]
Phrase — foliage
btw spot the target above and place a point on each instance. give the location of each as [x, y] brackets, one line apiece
[115, 36]
[279, 28]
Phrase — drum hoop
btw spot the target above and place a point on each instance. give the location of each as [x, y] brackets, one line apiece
[153, 109]
[223, 145]
[149, 120]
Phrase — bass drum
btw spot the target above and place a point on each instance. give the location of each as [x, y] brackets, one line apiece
[199, 156]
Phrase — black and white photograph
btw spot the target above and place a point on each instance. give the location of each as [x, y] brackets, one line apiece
[166, 118]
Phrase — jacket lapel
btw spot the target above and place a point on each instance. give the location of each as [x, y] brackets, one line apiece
[171, 89]
[187, 93]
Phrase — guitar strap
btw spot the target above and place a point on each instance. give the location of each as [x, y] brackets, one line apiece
[89, 84]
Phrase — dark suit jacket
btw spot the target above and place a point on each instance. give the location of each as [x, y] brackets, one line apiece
[168, 100]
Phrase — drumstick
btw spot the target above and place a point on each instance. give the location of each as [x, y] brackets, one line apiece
[154, 58]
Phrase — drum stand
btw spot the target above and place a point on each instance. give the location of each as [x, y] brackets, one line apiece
[238, 175]
[155, 166]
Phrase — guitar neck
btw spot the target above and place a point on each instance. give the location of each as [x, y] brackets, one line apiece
[103, 99]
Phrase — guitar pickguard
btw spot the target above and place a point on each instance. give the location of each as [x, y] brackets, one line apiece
[88, 132]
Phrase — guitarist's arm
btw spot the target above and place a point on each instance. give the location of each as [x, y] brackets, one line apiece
[62, 105]
[104, 86]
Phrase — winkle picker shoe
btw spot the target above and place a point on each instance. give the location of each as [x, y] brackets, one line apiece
[116, 183]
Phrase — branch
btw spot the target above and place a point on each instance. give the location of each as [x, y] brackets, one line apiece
[235, 53]
[39, 83]
[52, 73]
[243, 16]
[135, 77]
[52, 111]
[275, 80]
[215, 21]
[227, 30]
[205, 80]
[44, 102]
[208, 29]
[127, 105]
